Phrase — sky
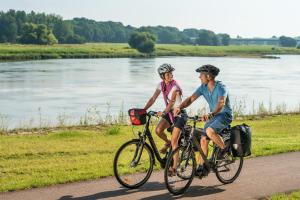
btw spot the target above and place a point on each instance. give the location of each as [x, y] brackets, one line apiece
[246, 18]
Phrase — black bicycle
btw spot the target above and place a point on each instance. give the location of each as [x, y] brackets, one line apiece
[134, 161]
[226, 166]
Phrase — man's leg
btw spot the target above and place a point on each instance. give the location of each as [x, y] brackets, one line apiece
[215, 137]
[204, 146]
[174, 142]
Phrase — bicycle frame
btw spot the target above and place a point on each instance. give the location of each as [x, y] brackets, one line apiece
[208, 163]
[143, 137]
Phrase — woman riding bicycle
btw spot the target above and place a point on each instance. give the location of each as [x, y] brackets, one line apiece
[172, 93]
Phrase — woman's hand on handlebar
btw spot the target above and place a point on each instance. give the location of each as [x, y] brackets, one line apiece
[159, 113]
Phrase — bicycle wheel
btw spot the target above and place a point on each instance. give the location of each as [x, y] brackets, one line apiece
[186, 167]
[133, 164]
[228, 167]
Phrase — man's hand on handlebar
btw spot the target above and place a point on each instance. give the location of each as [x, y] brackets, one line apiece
[207, 117]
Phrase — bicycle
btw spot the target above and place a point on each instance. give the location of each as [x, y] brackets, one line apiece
[226, 167]
[134, 161]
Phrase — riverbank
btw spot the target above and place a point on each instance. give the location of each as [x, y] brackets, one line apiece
[73, 154]
[15, 52]
[289, 196]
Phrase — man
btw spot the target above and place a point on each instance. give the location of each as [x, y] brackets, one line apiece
[220, 116]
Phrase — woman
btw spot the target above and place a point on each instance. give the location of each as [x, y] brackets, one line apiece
[172, 96]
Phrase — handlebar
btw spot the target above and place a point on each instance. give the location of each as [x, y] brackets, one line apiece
[152, 113]
[195, 118]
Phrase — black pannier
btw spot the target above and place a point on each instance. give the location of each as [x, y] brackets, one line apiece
[241, 140]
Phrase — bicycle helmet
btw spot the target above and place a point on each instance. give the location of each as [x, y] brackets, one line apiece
[208, 69]
[165, 68]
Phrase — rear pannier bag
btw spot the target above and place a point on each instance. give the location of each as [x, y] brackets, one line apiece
[137, 116]
[241, 140]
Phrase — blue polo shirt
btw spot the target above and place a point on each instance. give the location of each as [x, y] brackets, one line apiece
[212, 98]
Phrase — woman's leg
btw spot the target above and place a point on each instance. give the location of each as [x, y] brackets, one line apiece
[160, 128]
[178, 126]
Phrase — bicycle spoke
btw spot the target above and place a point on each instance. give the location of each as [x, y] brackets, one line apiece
[178, 182]
[133, 164]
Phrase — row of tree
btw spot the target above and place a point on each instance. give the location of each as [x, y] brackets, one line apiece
[287, 42]
[40, 28]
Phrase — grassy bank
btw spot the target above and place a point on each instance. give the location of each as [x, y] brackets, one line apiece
[291, 196]
[9, 52]
[69, 155]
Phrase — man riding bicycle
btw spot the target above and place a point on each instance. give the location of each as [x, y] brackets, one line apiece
[220, 116]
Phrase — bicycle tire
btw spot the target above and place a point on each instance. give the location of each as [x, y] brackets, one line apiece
[117, 171]
[170, 163]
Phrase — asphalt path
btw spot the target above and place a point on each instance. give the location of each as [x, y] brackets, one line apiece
[260, 177]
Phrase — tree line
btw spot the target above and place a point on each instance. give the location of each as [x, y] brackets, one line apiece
[41, 28]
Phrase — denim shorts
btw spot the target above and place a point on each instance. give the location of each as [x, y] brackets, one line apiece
[219, 122]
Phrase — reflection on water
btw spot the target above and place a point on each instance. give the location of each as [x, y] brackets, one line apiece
[72, 86]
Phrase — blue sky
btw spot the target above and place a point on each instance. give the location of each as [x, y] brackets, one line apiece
[247, 18]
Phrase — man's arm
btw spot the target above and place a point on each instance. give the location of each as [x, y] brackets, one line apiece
[188, 101]
[220, 105]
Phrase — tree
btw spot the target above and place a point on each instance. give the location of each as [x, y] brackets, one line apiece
[224, 39]
[62, 30]
[144, 42]
[37, 34]
[208, 38]
[287, 41]
[8, 28]
[74, 39]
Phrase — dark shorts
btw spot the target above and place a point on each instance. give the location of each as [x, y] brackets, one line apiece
[179, 121]
[167, 118]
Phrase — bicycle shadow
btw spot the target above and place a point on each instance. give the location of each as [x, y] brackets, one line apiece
[150, 186]
[193, 191]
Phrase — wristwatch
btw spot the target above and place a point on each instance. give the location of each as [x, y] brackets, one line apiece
[211, 115]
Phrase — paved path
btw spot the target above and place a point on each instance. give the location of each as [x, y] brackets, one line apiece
[260, 177]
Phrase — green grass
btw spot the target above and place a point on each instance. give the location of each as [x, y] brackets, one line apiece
[35, 160]
[291, 196]
[109, 50]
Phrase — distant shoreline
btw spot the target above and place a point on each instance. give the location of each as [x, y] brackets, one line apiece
[17, 52]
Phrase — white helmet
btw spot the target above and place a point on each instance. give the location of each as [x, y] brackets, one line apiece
[165, 68]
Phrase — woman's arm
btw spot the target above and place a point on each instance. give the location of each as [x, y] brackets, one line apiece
[152, 99]
[172, 101]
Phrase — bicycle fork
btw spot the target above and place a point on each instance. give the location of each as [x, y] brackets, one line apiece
[138, 152]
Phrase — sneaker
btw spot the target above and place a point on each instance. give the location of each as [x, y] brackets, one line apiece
[165, 148]
[223, 152]
[201, 171]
